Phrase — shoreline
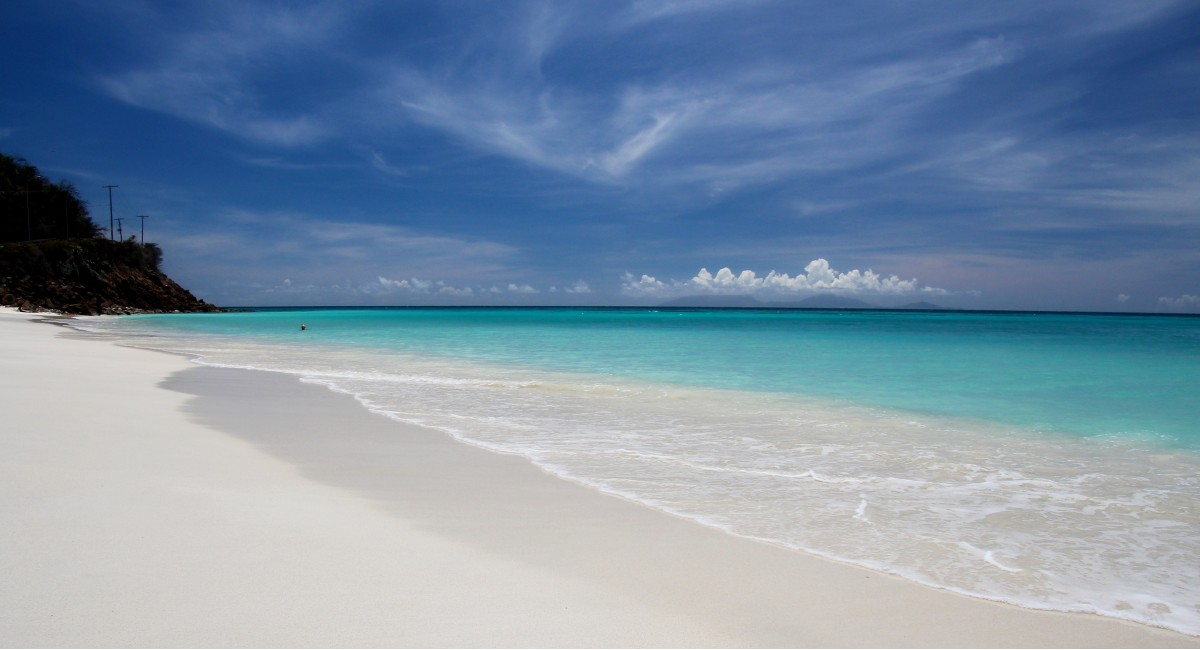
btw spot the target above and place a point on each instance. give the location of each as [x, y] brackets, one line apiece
[173, 504]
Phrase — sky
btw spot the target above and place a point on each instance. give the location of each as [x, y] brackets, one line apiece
[975, 155]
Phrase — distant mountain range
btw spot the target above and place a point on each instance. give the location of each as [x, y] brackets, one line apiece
[824, 301]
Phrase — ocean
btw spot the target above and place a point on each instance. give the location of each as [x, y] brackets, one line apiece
[1046, 460]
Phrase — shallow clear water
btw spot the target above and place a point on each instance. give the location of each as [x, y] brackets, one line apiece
[1049, 460]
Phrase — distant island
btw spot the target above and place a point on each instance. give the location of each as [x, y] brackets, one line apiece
[54, 258]
[823, 301]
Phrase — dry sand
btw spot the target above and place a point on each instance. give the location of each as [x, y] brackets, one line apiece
[147, 501]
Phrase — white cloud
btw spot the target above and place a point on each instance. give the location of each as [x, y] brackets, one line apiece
[741, 117]
[818, 277]
[211, 75]
[627, 153]
[380, 163]
[1187, 302]
[745, 122]
[415, 286]
[312, 243]
[579, 287]
[398, 284]
[810, 208]
[647, 285]
[193, 95]
[653, 10]
[240, 256]
[447, 290]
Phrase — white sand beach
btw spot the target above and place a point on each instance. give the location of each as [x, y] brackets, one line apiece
[148, 501]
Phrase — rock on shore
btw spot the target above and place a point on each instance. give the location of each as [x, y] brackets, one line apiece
[89, 276]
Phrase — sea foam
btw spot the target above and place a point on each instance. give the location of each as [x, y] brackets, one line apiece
[1037, 518]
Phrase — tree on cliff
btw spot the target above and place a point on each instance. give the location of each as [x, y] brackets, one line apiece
[53, 258]
[31, 207]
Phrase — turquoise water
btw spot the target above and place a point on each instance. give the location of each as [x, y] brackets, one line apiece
[1085, 375]
[1048, 460]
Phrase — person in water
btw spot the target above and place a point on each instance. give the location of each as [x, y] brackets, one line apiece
[303, 327]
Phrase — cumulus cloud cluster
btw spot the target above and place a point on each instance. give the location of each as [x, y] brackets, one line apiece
[939, 129]
[1186, 302]
[579, 288]
[439, 288]
[818, 277]
[384, 290]
[415, 286]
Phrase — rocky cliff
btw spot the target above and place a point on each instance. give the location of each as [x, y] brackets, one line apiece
[89, 276]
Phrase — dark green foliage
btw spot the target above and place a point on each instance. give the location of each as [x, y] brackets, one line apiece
[32, 208]
[89, 276]
[153, 255]
[53, 258]
[131, 253]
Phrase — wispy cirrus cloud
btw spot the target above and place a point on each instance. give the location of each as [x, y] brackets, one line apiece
[901, 137]
[264, 247]
[214, 74]
[753, 117]
[493, 93]
[748, 120]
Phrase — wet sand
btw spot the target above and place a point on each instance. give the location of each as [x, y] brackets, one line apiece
[150, 501]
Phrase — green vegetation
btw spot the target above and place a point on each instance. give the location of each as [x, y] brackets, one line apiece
[88, 276]
[33, 209]
[54, 258]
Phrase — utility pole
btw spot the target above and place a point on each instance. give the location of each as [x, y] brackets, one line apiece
[120, 232]
[143, 217]
[110, 215]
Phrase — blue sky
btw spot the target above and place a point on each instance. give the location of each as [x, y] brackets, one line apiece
[1006, 155]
